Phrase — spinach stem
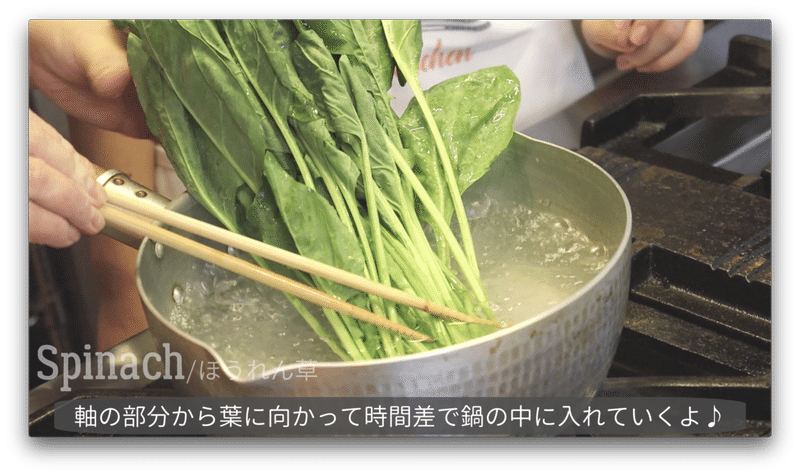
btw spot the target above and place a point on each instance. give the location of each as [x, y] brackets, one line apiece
[452, 184]
[470, 272]
[318, 329]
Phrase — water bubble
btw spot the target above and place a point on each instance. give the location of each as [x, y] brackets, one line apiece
[177, 294]
[206, 319]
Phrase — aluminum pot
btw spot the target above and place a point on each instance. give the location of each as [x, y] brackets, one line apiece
[565, 351]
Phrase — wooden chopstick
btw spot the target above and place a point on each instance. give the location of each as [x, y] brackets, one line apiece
[289, 259]
[129, 222]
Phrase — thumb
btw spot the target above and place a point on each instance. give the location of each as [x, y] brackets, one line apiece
[103, 58]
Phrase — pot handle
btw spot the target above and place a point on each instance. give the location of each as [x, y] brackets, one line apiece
[124, 184]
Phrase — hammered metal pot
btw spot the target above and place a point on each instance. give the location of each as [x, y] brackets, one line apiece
[565, 351]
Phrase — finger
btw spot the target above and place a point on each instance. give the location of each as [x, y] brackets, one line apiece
[50, 229]
[85, 53]
[623, 25]
[607, 38]
[688, 44]
[53, 191]
[82, 67]
[123, 115]
[641, 31]
[78, 101]
[101, 53]
[620, 36]
[45, 143]
[669, 34]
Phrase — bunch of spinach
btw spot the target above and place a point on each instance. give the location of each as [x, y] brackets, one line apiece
[284, 131]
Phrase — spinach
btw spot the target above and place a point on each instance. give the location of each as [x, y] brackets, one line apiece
[284, 131]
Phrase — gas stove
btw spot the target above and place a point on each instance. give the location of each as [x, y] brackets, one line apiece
[691, 148]
[695, 163]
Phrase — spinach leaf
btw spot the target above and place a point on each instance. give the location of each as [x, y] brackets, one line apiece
[336, 34]
[475, 114]
[262, 50]
[377, 164]
[405, 39]
[213, 89]
[212, 181]
[316, 229]
[264, 218]
[363, 41]
[320, 74]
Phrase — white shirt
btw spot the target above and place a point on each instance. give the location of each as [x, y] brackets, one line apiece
[545, 55]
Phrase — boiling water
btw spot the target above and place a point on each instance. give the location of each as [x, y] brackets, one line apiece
[247, 323]
[530, 259]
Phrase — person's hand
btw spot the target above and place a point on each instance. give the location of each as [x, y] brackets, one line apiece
[644, 45]
[63, 196]
[82, 67]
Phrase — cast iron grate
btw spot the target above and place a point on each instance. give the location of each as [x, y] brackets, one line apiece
[699, 317]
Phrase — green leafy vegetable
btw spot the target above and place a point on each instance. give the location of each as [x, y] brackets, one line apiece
[284, 131]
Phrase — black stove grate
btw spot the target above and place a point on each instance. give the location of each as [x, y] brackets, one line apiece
[699, 318]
